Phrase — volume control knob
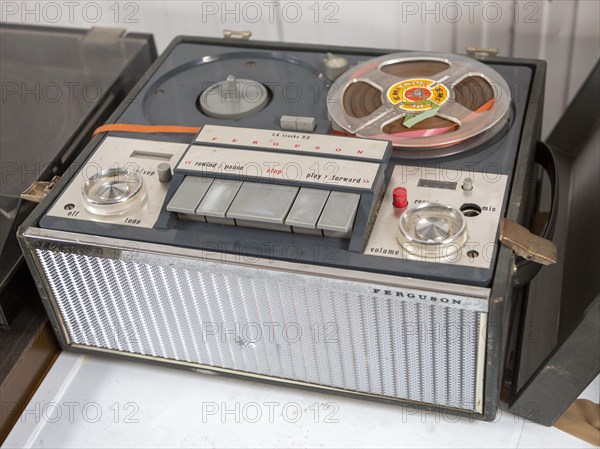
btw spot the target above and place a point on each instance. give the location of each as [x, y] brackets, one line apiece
[113, 191]
[432, 230]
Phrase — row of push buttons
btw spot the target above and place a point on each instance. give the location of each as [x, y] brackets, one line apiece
[266, 206]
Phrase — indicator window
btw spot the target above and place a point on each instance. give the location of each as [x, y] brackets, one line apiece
[432, 184]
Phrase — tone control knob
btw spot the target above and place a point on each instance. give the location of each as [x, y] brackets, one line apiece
[432, 230]
[113, 191]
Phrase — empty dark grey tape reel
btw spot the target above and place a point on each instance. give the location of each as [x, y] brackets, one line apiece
[233, 98]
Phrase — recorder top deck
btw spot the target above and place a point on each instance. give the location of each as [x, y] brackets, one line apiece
[266, 178]
[314, 185]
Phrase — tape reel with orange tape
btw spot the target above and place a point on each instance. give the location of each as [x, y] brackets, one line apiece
[425, 104]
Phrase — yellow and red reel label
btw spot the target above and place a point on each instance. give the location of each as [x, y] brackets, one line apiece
[418, 94]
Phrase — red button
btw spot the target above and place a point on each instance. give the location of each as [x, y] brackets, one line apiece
[400, 197]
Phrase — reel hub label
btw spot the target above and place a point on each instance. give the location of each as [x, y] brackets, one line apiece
[418, 94]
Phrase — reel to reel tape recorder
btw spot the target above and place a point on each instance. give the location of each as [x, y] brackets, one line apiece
[333, 223]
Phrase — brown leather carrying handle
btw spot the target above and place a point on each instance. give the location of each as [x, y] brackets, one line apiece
[527, 269]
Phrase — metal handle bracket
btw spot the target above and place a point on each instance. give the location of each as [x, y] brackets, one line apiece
[37, 191]
[527, 245]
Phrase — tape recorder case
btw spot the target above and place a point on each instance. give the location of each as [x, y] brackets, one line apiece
[331, 223]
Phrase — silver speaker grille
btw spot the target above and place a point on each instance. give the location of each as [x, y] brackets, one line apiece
[279, 324]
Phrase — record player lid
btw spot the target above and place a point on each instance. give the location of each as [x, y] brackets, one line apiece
[57, 83]
[53, 81]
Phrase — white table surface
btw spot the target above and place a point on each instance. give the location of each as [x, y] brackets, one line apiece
[93, 401]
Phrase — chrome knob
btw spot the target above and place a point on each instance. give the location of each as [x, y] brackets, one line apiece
[113, 191]
[432, 230]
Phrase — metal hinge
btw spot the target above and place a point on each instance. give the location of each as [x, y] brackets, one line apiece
[478, 52]
[231, 34]
[104, 35]
[37, 191]
[527, 245]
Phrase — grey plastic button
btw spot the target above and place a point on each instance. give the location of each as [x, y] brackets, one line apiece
[306, 231]
[191, 217]
[306, 124]
[467, 184]
[189, 194]
[288, 123]
[164, 172]
[267, 203]
[339, 212]
[293, 123]
[223, 221]
[263, 225]
[307, 208]
[218, 198]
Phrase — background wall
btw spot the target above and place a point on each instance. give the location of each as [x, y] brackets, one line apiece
[566, 33]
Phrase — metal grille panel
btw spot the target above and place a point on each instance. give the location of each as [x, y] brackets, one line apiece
[284, 325]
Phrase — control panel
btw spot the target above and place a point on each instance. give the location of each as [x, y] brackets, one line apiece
[297, 183]
[439, 215]
[124, 182]
[281, 181]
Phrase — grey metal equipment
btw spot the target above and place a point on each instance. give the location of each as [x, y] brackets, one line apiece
[376, 275]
